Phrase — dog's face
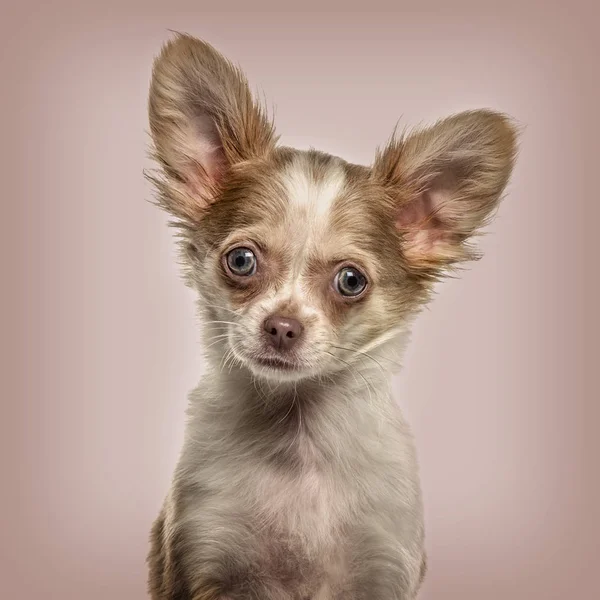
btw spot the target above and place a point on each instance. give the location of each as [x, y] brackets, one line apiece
[302, 256]
[305, 263]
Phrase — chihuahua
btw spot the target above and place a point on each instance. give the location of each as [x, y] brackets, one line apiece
[298, 478]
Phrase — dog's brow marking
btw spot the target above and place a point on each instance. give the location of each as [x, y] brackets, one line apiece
[316, 196]
[311, 194]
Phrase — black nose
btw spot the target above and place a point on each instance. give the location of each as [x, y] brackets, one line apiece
[282, 332]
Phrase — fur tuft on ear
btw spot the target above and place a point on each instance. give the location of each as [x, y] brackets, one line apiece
[203, 120]
[445, 181]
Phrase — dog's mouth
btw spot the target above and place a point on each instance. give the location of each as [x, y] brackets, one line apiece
[287, 367]
[278, 364]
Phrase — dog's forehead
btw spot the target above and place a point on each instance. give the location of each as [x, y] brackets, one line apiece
[324, 204]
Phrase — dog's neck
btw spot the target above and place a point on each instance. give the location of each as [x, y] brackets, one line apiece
[348, 395]
[317, 421]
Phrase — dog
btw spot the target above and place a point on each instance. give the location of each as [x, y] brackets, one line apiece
[298, 478]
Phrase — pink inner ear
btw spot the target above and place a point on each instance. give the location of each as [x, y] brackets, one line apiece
[212, 163]
[414, 215]
[420, 221]
[208, 161]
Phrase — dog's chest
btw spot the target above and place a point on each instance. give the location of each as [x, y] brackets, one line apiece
[304, 504]
[302, 516]
[308, 503]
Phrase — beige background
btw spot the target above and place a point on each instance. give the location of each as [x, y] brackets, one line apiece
[99, 344]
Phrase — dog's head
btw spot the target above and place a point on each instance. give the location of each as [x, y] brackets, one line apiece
[305, 263]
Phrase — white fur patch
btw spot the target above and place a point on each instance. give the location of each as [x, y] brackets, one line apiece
[313, 197]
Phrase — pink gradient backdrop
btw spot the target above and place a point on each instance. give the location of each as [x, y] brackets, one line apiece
[99, 344]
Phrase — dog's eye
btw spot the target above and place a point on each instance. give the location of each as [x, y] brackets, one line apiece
[350, 282]
[241, 261]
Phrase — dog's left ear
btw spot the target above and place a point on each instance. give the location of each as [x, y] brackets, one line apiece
[203, 120]
[444, 182]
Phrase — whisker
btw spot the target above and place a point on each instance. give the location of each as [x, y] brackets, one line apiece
[221, 307]
[217, 340]
[259, 392]
[289, 409]
[367, 383]
[223, 322]
[299, 417]
[349, 367]
[232, 359]
[362, 353]
[214, 337]
[224, 360]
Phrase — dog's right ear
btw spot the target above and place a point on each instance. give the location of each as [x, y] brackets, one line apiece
[203, 120]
